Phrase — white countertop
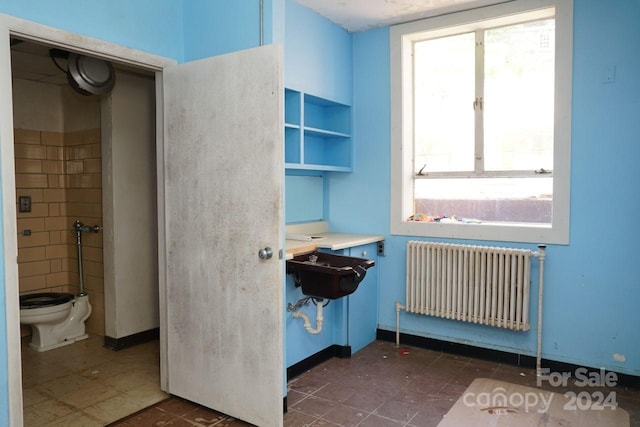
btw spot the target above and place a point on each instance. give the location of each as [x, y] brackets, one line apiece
[323, 239]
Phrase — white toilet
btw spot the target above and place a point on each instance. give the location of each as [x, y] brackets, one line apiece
[56, 319]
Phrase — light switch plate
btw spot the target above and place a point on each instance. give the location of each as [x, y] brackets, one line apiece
[24, 203]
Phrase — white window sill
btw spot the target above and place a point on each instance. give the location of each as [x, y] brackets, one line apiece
[502, 232]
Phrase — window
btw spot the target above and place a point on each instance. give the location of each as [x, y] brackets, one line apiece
[481, 108]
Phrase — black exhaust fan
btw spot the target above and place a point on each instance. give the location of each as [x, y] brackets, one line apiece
[90, 76]
[86, 75]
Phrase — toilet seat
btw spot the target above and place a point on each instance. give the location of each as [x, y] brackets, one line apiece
[49, 304]
[44, 299]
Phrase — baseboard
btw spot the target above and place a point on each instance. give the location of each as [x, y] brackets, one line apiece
[498, 356]
[460, 349]
[116, 344]
[341, 351]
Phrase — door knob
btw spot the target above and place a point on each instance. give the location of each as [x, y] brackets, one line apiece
[265, 253]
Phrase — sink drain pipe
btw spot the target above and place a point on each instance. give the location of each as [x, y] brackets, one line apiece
[296, 313]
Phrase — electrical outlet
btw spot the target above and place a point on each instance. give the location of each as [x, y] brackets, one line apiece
[381, 248]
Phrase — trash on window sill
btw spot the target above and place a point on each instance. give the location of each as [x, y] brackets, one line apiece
[420, 217]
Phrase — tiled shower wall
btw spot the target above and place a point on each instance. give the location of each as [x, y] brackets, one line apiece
[61, 172]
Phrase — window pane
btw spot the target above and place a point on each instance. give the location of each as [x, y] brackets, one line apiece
[527, 200]
[519, 96]
[444, 92]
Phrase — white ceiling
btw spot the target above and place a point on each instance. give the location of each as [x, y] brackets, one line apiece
[360, 15]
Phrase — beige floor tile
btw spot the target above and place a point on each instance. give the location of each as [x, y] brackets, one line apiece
[31, 396]
[76, 419]
[45, 412]
[88, 384]
[79, 357]
[80, 365]
[38, 373]
[145, 356]
[113, 409]
[129, 380]
[105, 370]
[88, 396]
[146, 395]
[63, 385]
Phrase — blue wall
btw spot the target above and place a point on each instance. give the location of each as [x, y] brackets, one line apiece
[218, 27]
[318, 55]
[153, 26]
[182, 30]
[591, 286]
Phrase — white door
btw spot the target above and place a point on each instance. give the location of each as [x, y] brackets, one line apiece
[224, 173]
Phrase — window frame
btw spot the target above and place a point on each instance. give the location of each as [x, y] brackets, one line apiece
[402, 167]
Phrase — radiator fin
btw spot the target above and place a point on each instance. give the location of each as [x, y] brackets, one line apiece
[478, 284]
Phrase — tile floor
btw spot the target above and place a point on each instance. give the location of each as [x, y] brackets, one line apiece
[85, 384]
[378, 386]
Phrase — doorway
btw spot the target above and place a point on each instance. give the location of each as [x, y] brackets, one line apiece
[100, 138]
